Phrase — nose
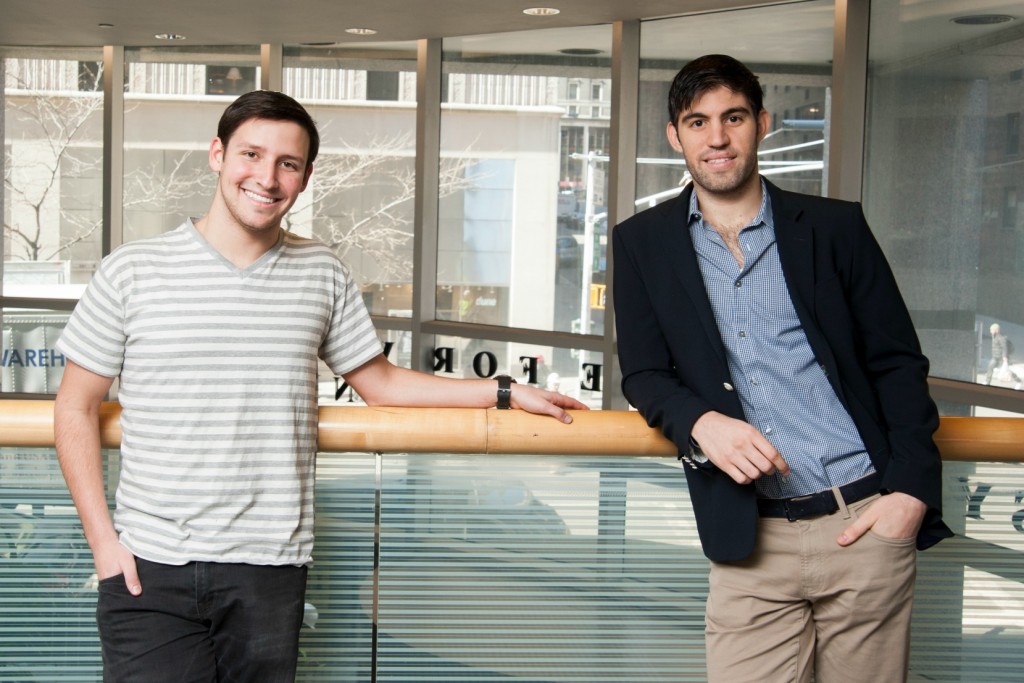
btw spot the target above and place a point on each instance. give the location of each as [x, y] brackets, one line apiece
[718, 134]
[266, 174]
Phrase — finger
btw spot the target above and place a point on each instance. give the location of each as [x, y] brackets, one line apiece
[780, 464]
[543, 406]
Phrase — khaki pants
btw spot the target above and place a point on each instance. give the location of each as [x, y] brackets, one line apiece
[803, 605]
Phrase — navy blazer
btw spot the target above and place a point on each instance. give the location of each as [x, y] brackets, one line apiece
[674, 366]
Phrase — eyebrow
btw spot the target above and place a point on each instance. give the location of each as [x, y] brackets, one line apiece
[262, 150]
[728, 112]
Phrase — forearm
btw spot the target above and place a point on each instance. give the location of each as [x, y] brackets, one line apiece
[383, 384]
[77, 439]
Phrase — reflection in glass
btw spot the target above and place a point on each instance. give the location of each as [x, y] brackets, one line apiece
[573, 372]
[29, 363]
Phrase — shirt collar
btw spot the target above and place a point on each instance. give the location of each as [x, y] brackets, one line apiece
[764, 213]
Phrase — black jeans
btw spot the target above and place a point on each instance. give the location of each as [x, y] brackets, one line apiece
[203, 621]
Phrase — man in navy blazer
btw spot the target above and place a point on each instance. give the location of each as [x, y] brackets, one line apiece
[763, 332]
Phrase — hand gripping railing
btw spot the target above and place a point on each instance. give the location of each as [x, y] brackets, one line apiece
[474, 430]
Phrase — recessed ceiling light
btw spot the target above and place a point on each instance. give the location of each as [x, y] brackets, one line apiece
[982, 19]
[361, 31]
[541, 11]
[169, 36]
[105, 25]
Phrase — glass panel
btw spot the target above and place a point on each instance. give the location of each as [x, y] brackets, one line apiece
[943, 176]
[336, 638]
[48, 583]
[573, 372]
[30, 363]
[52, 169]
[796, 78]
[553, 568]
[538, 569]
[173, 100]
[969, 603]
[524, 143]
[360, 198]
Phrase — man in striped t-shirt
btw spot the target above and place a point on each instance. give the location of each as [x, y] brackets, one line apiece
[215, 330]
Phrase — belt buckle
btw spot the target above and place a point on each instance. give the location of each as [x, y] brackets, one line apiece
[793, 515]
[800, 510]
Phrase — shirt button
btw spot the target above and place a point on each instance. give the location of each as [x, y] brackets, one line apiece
[768, 430]
[739, 283]
[754, 382]
[743, 334]
[727, 386]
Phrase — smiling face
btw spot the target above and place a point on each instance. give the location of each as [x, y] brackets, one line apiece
[262, 170]
[718, 136]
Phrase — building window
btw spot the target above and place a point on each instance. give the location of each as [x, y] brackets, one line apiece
[1013, 134]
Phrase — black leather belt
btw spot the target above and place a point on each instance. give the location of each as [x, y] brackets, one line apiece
[820, 503]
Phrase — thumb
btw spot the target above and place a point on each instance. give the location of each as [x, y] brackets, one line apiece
[853, 532]
[131, 577]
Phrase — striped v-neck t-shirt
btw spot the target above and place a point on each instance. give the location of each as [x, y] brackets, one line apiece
[218, 388]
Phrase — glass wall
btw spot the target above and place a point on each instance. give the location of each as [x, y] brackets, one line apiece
[360, 198]
[524, 145]
[173, 100]
[51, 119]
[943, 174]
[943, 170]
[52, 170]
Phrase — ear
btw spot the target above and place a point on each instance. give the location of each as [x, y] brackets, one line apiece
[672, 133]
[305, 180]
[764, 121]
[216, 155]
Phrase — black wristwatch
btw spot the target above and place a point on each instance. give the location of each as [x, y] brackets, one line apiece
[504, 391]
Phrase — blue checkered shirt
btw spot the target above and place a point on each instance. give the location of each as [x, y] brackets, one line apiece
[782, 387]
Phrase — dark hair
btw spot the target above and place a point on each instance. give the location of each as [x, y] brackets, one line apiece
[272, 106]
[710, 72]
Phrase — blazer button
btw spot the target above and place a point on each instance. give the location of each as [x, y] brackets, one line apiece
[727, 386]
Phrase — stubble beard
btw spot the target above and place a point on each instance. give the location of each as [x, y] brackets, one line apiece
[723, 183]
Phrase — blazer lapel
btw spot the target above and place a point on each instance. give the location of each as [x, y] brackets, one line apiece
[795, 239]
[683, 257]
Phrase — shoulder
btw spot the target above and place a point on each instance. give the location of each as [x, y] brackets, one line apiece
[668, 213]
[801, 207]
[312, 254]
[168, 248]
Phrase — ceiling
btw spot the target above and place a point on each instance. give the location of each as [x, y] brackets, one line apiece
[248, 22]
[801, 33]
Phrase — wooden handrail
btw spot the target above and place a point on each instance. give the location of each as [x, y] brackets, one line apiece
[472, 430]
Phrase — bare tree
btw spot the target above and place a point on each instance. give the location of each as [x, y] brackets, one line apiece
[60, 148]
[362, 201]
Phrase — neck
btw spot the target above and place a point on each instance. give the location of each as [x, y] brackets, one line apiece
[234, 242]
[730, 211]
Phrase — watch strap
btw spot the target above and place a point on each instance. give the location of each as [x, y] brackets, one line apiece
[504, 391]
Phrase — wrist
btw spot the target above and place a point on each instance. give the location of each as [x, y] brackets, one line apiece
[504, 395]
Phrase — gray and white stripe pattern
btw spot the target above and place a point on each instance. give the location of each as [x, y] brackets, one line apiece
[218, 370]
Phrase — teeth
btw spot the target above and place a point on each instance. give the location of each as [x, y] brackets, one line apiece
[259, 197]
